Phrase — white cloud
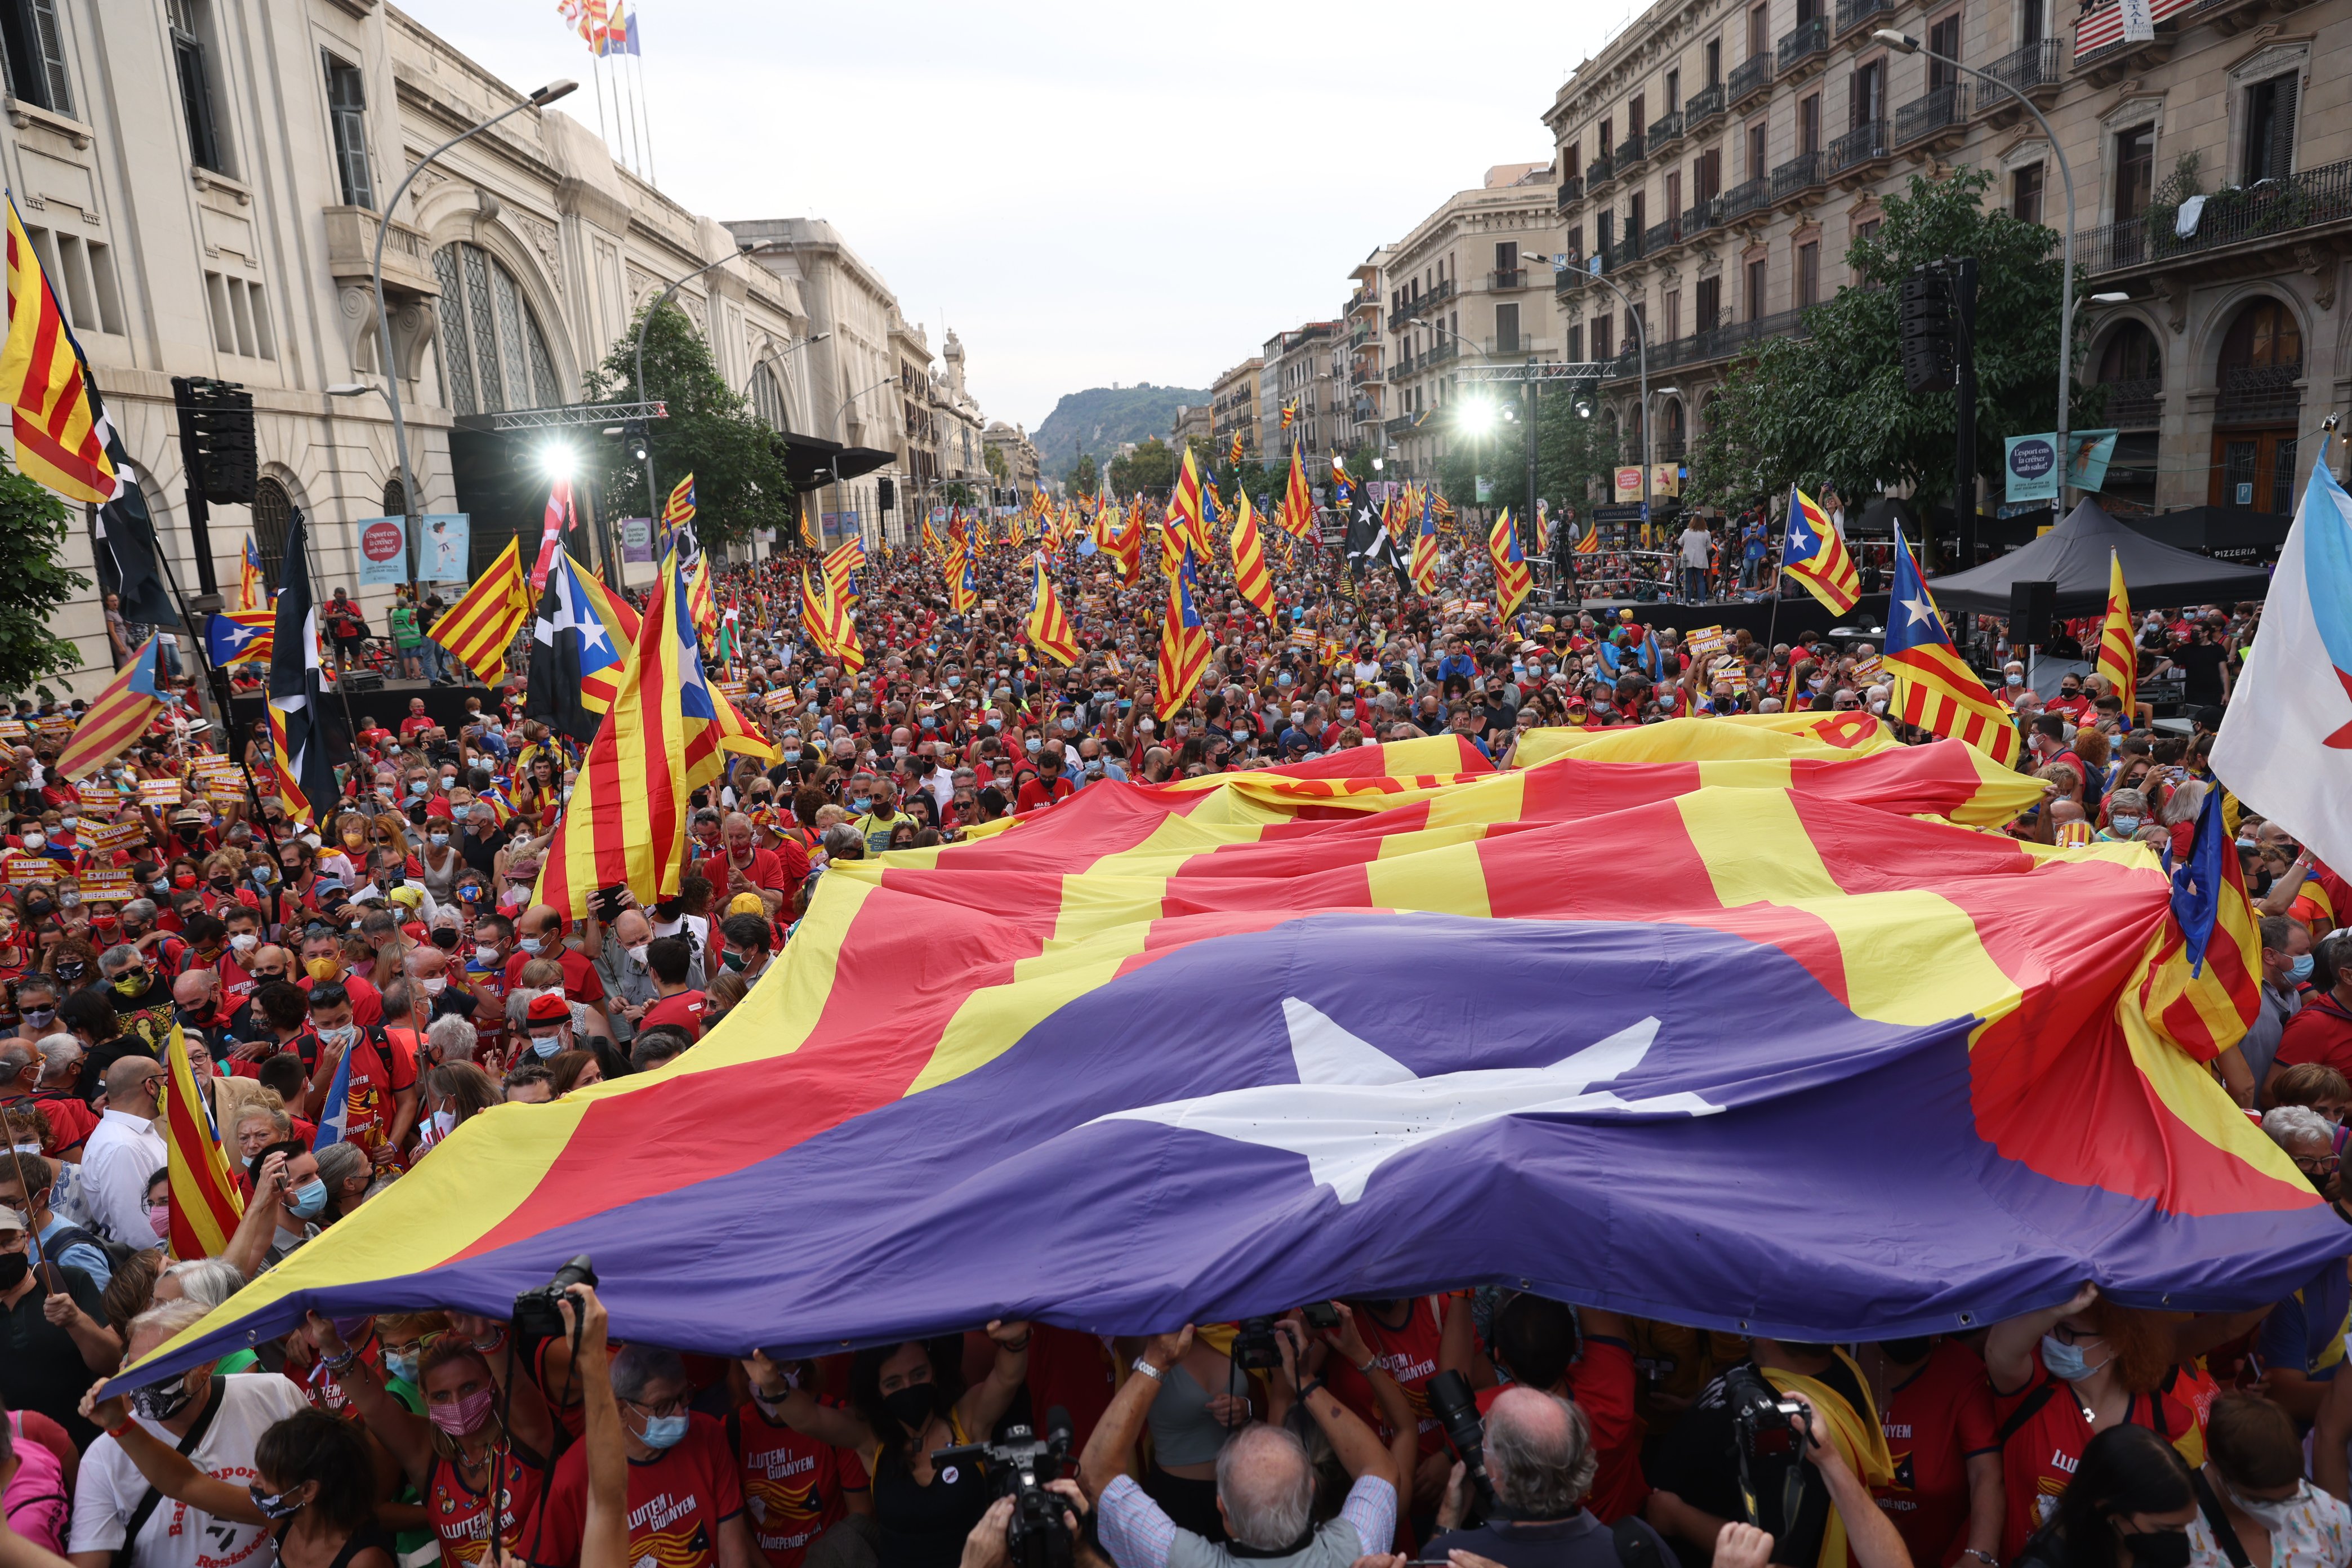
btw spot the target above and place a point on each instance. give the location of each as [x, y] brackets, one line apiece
[1086, 193]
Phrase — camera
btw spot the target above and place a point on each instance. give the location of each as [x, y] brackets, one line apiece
[1036, 1536]
[1772, 1434]
[1456, 1409]
[536, 1314]
[1254, 1348]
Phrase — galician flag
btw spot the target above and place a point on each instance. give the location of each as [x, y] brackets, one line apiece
[2286, 746]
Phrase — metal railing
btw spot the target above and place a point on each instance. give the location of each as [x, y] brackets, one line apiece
[1629, 152]
[2258, 393]
[1865, 143]
[1628, 249]
[1443, 352]
[1748, 196]
[2310, 199]
[1811, 37]
[1600, 172]
[1705, 104]
[1399, 424]
[1853, 14]
[1707, 215]
[1750, 77]
[1666, 131]
[2035, 64]
[1658, 236]
[1571, 191]
[2136, 405]
[1717, 342]
[1517, 277]
[1798, 175]
[1942, 108]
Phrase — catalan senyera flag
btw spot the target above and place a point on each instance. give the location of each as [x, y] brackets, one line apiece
[1289, 412]
[827, 619]
[625, 824]
[52, 403]
[2118, 638]
[1591, 543]
[1295, 515]
[479, 629]
[842, 565]
[811, 531]
[1346, 1124]
[250, 594]
[1513, 580]
[1048, 626]
[205, 1202]
[115, 717]
[1542, 540]
[1187, 504]
[1233, 452]
[1183, 640]
[1251, 578]
[1813, 554]
[1422, 568]
[1934, 687]
[679, 510]
[700, 600]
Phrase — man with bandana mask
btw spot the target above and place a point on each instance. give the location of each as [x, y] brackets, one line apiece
[53, 1333]
[142, 1007]
[225, 1416]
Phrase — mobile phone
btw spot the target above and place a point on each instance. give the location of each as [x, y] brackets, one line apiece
[1320, 1315]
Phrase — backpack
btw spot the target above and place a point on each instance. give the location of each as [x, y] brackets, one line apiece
[118, 1255]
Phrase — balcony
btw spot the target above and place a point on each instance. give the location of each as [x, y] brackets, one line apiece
[1571, 191]
[1628, 249]
[1398, 426]
[2258, 394]
[1697, 220]
[1708, 346]
[1599, 173]
[1796, 181]
[1363, 375]
[1748, 197]
[2136, 405]
[2032, 71]
[1706, 107]
[1402, 369]
[1445, 351]
[1570, 276]
[1660, 237]
[1629, 154]
[1498, 281]
[2237, 233]
[1852, 16]
[1938, 119]
[1749, 78]
[1665, 131]
[1856, 156]
[1801, 50]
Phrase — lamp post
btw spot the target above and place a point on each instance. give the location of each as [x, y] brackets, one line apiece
[391, 388]
[1904, 43]
[1641, 366]
[653, 494]
[841, 432]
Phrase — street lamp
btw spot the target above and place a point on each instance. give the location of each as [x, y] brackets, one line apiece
[1905, 44]
[1641, 366]
[840, 433]
[653, 494]
[391, 388]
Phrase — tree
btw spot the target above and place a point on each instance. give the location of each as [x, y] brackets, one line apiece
[1575, 447]
[1151, 467]
[33, 523]
[992, 460]
[1083, 477]
[735, 459]
[1829, 407]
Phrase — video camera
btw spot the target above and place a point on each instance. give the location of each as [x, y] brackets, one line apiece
[1036, 1536]
[1771, 1432]
[536, 1314]
[1456, 1409]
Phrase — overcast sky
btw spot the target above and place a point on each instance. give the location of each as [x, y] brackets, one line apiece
[1087, 193]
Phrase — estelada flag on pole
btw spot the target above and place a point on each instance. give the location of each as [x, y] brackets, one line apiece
[205, 1203]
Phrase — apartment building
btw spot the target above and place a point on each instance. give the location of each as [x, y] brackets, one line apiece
[1302, 373]
[1718, 157]
[1233, 404]
[1365, 355]
[1470, 285]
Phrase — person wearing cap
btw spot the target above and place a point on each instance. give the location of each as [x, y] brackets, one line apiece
[548, 1021]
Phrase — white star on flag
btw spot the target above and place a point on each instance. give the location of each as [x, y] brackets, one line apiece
[1355, 1106]
[1921, 612]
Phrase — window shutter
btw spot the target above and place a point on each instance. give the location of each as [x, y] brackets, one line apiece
[51, 44]
[2282, 149]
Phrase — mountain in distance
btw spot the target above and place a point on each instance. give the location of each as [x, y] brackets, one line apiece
[1097, 420]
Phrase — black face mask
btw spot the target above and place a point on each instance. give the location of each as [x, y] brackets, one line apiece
[13, 1267]
[161, 1401]
[914, 1405]
[2158, 1549]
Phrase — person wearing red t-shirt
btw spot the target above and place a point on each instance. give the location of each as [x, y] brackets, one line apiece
[539, 934]
[417, 722]
[740, 866]
[2061, 1374]
[1936, 1408]
[1586, 1357]
[380, 1107]
[1046, 786]
[795, 1488]
[1406, 1337]
[668, 959]
[686, 1490]
[2321, 1030]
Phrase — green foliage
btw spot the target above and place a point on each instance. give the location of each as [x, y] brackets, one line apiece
[992, 460]
[735, 459]
[1083, 479]
[1151, 467]
[33, 523]
[956, 492]
[1574, 450]
[1100, 420]
[1830, 409]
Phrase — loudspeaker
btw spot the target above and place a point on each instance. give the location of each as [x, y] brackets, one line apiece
[2031, 607]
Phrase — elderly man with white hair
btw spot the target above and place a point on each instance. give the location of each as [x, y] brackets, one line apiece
[1266, 1484]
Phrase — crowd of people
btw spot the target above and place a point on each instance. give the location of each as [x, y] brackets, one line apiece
[395, 941]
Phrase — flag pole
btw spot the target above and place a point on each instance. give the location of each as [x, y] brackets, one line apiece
[645, 120]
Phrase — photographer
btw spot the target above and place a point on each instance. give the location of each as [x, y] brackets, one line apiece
[1266, 1484]
[1741, 1454]
[1540, 1458]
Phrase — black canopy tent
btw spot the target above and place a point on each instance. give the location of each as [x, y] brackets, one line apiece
[812, 460]
[2074, 556]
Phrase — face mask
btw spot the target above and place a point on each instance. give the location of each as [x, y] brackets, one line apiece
[468, 1410]
[861, 804]
[2015, 680]
[274, 1508]
[2298, 969]
[443, 1123]
[35, 841]
[2126, 824]
[432, 988]
[404, 1367]
[637, 954]
[42, 1017]
[668, 1431]
[1033, 744]
[486, 955]
[68, 823]
[305, 1204]
[531, 944]
[161, 1401]
[731, 959]
[13, 1267]
[546, 1046]
[913, 1406]
[2158, 1549]
[2066, 1362]
[72, 969]
[437, 839]
[163, 884]
[416, 786]
[131, 983]
[70, 899]
[2271, 1513]
[324, 969]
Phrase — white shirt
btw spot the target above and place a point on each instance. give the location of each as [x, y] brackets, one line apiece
[175, 1535]
[122, 1153]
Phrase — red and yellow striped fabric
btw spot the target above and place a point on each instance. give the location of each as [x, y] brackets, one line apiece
[1186, 519]
[45, 381]
[702, 601]
[1183, 640]
[1048, 626]
[1250, 579]
[1513, 580]
[480, 626]
[1295, 516]
[116, 716]
[205, 1203]
[2118, 639]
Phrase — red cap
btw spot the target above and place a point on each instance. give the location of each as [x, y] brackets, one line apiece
[550, 1008]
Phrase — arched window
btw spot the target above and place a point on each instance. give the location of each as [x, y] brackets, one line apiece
[273, 514]
[2131, 367]
[1671, 439]
[767, 398]
[395, 498]
[2261, 359]
[493, 356]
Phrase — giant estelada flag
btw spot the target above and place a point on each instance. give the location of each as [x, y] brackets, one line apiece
[1825, 1070]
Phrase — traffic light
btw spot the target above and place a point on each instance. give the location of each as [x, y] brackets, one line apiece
[1924, 326]
[217, 438]
[886, 495]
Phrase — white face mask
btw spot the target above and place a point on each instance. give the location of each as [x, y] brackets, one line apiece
[637, 954]
[433, 986]
[2271, 1513]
